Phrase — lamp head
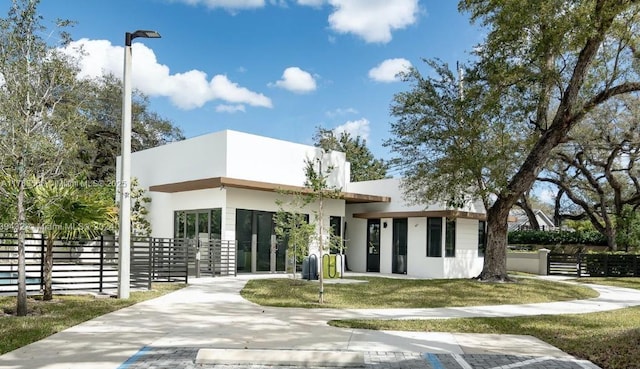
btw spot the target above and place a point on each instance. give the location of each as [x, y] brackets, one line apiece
[129, 36]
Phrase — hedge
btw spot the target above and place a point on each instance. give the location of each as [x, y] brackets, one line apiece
[557, 238]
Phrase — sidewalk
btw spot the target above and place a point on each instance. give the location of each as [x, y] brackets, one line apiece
[210, 313]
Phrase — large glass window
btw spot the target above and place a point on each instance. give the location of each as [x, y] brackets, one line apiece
[198, 223]
[450, 238]
[434, 237]
[482, 237]
[244, 233]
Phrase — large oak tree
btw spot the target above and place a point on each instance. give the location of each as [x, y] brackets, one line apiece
[543, 67]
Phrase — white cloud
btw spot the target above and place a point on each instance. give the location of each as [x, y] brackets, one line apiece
[222, 108]
[227, 4]
[373, 20]
[186, 90]
[296, 80]
[311, 2]
[547, 196]
[340, 111]
[355, 128]
[388, 70]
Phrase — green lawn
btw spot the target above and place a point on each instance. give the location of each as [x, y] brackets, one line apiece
[64, 311]
[409, 293]
[609, 339]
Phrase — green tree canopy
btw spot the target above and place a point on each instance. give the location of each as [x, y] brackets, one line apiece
[40, 128]
[102, 108]
[543, 67]
[364, 166]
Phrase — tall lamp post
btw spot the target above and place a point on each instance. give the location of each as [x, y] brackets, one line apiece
[124, 257]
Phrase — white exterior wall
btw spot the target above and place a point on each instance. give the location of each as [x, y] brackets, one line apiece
[465, 264]
[269, 160]
[418, 264]
[163, 205]
[356, 241]
[386, 245]
[196, 158]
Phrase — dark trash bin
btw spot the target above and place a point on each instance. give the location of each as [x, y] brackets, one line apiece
[310, 268]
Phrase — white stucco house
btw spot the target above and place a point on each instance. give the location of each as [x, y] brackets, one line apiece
[225, 185]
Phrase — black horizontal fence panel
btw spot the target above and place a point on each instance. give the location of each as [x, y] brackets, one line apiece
[217, 257]
[594, 265]
[169, 260]
[563, 264]
[92, 264]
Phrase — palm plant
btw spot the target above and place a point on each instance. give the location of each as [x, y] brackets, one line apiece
[66, 212]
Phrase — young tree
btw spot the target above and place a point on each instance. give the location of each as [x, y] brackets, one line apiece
[317, 173]
[293, 227]
[543, 67]
[364, 166]
[39, 130]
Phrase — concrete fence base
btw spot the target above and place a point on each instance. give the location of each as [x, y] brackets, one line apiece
[528, 262]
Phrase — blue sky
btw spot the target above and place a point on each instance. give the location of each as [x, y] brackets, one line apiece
[278, 68]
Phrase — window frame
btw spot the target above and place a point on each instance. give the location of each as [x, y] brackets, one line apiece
[431, 232]
[450, 238]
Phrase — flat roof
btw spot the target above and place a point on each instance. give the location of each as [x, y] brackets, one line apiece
[217, 182]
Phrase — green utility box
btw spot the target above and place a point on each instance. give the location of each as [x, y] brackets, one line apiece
[330, 266]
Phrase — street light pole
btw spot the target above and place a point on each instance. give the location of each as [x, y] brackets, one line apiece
[124, 257]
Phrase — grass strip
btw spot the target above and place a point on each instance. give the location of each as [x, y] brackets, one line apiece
[609, 339]
[410, 293]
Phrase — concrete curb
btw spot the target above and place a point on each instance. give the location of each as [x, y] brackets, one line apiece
[304, 358]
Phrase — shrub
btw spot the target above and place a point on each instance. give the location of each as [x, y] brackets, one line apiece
[556, 238]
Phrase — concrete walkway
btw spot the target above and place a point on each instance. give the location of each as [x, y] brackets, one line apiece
[210, 313]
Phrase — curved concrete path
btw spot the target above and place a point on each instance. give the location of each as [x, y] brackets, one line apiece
[210, 313]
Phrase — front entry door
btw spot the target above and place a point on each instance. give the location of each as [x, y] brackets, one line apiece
[258, 249]
[399, 246]
[373, 245]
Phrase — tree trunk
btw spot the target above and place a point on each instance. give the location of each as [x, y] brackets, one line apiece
[557, 219]
[48, 268]
[610, 233]
[495, 257]
[21, 303]
[321, 247]
[531, 215]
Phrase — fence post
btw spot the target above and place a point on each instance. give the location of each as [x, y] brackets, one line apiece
[101, 262]
[197, 261]
[543, 261]
[186, 264]
[42, 246]
[579, 265]
[149, 278]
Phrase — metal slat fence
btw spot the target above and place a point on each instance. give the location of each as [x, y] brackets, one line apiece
[92, 265]
[87, 264]
[217, 257]
[594, 265]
